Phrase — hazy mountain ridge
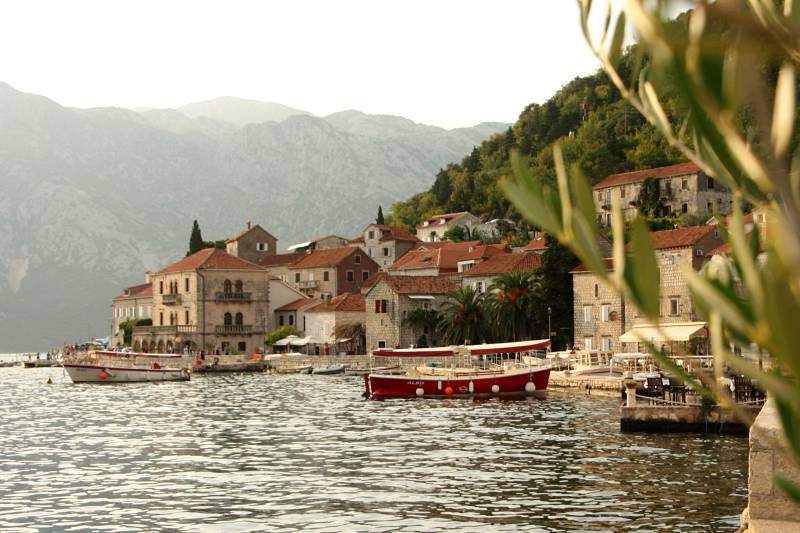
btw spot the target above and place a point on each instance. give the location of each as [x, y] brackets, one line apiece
[93, 197]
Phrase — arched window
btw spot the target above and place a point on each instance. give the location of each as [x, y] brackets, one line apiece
[239, 319]
[228, 319]
[226, 286]
[238, 285]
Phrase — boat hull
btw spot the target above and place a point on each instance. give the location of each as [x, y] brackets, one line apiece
[104, 374]
[515, 382]
[329, 371]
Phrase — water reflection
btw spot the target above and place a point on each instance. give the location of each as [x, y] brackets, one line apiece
[255, 452]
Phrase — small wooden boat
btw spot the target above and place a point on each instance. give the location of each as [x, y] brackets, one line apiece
[466, 381]
[302, 369]
[330, 370]
[126, 367]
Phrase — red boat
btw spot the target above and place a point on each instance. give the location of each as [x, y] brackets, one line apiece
[460, 381]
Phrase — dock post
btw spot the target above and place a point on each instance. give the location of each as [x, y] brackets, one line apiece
[630, 393]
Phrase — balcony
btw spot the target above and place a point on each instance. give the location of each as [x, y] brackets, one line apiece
[236, 297]
[171, 299]
[172, 331]
[234, 329]
[308, 284]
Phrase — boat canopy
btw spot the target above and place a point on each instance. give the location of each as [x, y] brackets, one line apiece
[677, 332]
[509, 347]
[414, 352]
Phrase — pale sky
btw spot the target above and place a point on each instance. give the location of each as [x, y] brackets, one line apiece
[441, 62]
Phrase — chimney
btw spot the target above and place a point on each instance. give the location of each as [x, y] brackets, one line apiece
[248, 224]
[147, 276]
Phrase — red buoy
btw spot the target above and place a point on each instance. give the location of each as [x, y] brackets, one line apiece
[103, 375]
[448, 390]
[49, 381]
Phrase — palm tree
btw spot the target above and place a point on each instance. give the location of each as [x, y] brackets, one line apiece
[422, 319]
[511, 304]
[463, 317]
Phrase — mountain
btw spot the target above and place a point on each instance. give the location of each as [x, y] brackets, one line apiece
[239, 111]
[92, 198]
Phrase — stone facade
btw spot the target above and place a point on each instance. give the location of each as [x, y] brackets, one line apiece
[135, 303]
[253, 244]
[433, 229]
[684, 188]
[208, 301]
[599, 314]
[385, 244]
[328, 273]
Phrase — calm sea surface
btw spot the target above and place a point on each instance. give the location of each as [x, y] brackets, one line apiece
[256, 452]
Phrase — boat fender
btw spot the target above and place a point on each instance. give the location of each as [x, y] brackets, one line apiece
[530, 387]
[471, 387]
[448, 390]
[420, 391]
[439, 385]
[103, 375]
[495, 388]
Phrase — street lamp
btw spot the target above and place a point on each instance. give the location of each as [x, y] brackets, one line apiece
[549, 330]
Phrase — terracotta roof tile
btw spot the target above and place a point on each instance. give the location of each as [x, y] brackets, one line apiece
[539, 243]
[445, 256]
[499, 264]
[419, 284]
[675, 238]
[281, 259]
[329, 257]
[636, 176]
[346, 301]
[583, 268]
[210, 259]
[143, 290]
[297, 304]
[447, 217]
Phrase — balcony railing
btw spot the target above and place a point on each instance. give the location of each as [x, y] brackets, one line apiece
[308, 284]
[234, 329]
[164, 330]
[234, 296]
[171, 299]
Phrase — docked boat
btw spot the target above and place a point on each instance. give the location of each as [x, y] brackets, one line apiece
[466, 377]
[293, 369]
[360, 371]
[130, 367]
[330, 370]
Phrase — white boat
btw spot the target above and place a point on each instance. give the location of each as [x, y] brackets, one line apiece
[131, 367]
[594, 364]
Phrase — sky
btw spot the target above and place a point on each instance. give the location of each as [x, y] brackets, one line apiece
[440, 62]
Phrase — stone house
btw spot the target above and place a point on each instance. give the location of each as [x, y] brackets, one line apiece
[385, 244]
[390, 300]
[333, 271]
[323, 319]
[294, 313]
[278, 264]
[683, 188]
[320, 243]
[253, 243]
[434, 259]
[208, 301]
[481, 276]
[434, 228]
[601, 317]
[135, 303]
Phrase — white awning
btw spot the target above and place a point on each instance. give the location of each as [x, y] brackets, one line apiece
[420, 296]
[285, 341]
[677, 332]
[304, 341]
[346, 339]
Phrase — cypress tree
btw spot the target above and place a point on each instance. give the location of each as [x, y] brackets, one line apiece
[379, 219]
[195, 240]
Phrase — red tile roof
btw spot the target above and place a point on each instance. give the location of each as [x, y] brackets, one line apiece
[506, 263]
[636, 176]
[447, 217]
[347, 301]
[210, 259]
[419, 284]
[297, 304]
[676, 238]
[445, 255]
[143, 290]
[329, 257]
[281, 259]
[609, 263]
[539, 243]
[395, 233]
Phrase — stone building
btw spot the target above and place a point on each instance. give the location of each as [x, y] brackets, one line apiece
[135, 303]
[294, 313]
[389, 301]
[320, 243]
[683, 188]
[330, 272]
[433, 229]
[601, 317]
[278, 265]
[481, 276]
[208, 301]
[434, 259]
[385, 244]
[253, 243]
[323, 319]
[282, 294]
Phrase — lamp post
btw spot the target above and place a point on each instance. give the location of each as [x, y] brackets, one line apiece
[549, 331]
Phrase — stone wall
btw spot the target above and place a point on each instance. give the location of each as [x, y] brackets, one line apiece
[589, 291]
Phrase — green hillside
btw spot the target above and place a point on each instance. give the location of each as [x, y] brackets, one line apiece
[596, 128]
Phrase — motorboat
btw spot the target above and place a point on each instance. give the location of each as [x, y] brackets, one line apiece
[506, 375]
[130, 367]
[330, 370]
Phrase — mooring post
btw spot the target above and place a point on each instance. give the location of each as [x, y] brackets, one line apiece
[630, 393]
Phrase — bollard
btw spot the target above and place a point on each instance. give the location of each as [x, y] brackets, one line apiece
[630, 393]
